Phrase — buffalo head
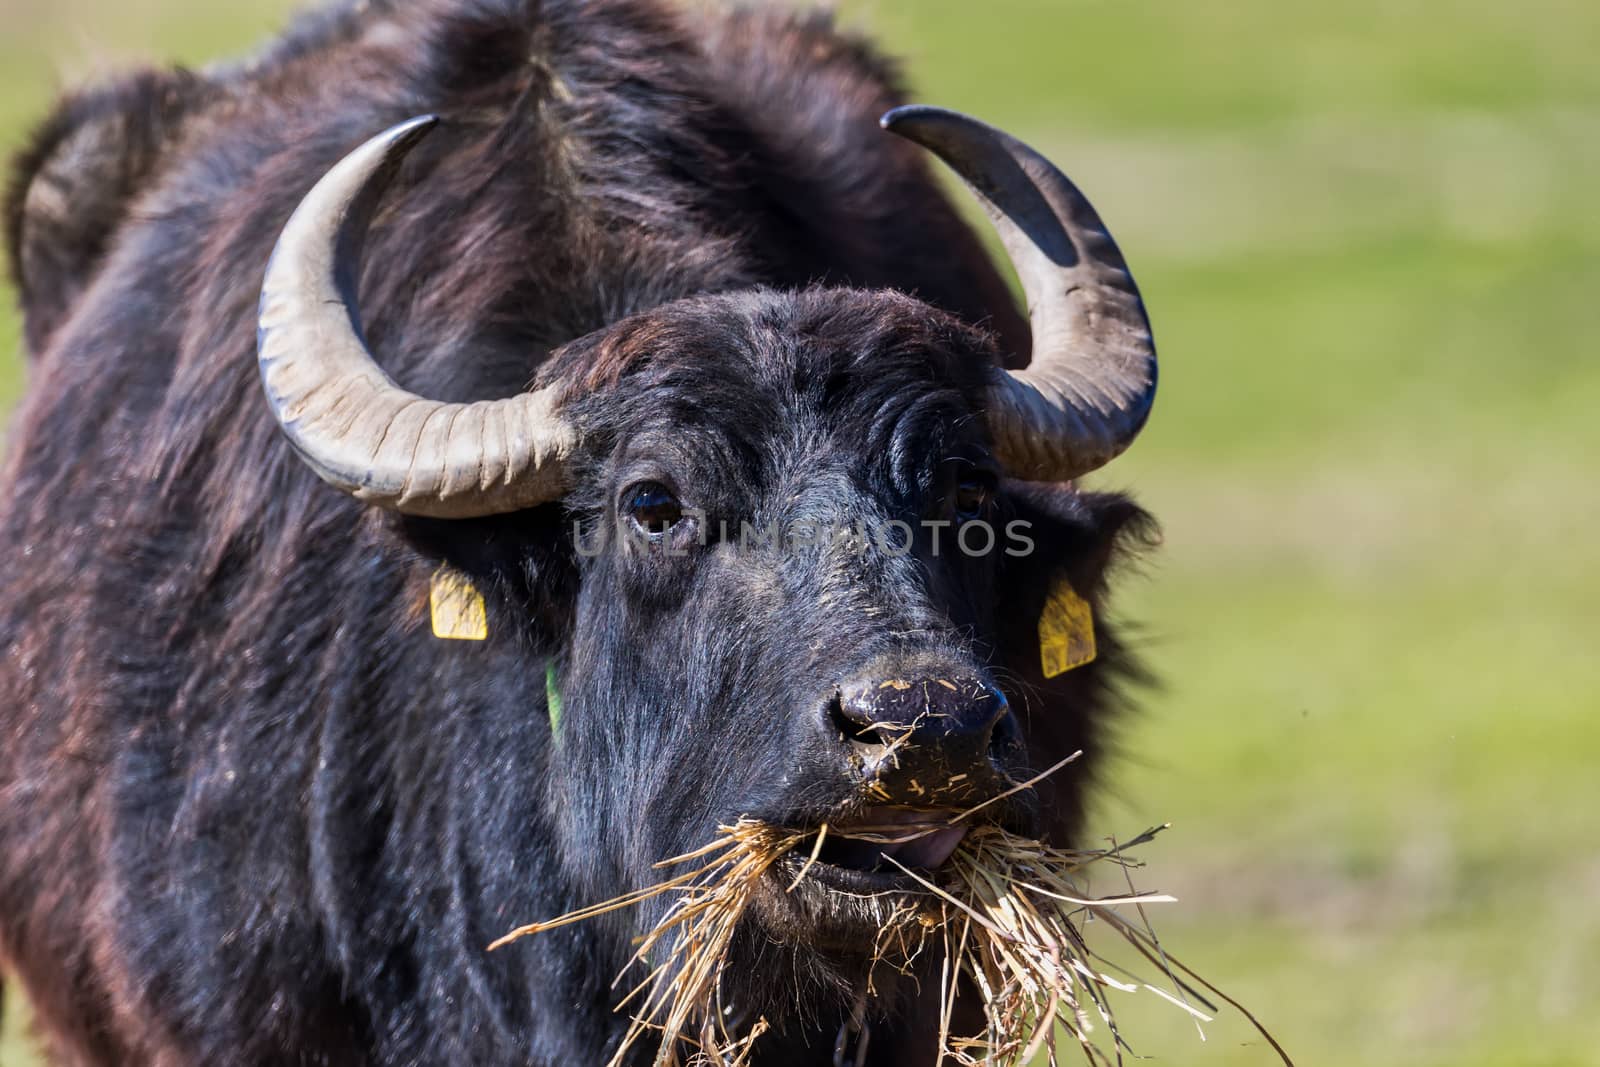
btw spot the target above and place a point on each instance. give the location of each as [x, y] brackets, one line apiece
[807, 532]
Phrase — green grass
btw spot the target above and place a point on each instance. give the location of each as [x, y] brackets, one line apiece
[1367, 236]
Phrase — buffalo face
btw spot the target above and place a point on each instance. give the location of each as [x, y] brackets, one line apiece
[807, 595]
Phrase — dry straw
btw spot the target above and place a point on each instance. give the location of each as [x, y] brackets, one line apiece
[1009, 912]
[680, 996]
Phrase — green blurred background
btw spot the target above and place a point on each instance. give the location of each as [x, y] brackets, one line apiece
[1368, 236]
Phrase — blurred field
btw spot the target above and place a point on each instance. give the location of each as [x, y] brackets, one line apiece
[1368, 238]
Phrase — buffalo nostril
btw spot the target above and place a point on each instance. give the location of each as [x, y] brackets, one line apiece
[854, 723]
[920, 711]
[1000, 707]
[1004, 732]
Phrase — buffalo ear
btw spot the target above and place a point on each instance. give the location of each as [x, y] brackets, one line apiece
[71, 188]
[1079, 538]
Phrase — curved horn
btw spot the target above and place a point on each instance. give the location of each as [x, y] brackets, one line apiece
[348, 420]
[1089, 389]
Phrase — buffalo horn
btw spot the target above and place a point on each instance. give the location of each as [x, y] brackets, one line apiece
[348, 420]
[1089, 389]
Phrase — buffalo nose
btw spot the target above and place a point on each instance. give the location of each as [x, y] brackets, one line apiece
[923, 735]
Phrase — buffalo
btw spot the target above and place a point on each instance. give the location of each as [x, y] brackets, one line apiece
[661, 291]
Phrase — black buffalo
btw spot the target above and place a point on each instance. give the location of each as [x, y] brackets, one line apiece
[251, 810]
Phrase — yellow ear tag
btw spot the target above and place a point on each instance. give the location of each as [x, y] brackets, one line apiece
[459, 613]
[1066, 631]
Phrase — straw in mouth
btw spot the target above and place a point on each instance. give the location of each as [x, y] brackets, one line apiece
[1009, 912]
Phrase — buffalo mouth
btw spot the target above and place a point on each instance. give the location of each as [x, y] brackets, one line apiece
[848, 879]
[876, 851]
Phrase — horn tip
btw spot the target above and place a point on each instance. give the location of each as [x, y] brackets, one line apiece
[909, 118]
[899, 117]
[411, 131]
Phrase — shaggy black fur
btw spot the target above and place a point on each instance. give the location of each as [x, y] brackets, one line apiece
[251, 811]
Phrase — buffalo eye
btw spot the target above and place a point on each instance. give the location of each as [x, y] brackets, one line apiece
[973, 496]
[652, 507]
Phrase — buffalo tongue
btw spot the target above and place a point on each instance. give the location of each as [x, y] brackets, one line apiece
[930, 851]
